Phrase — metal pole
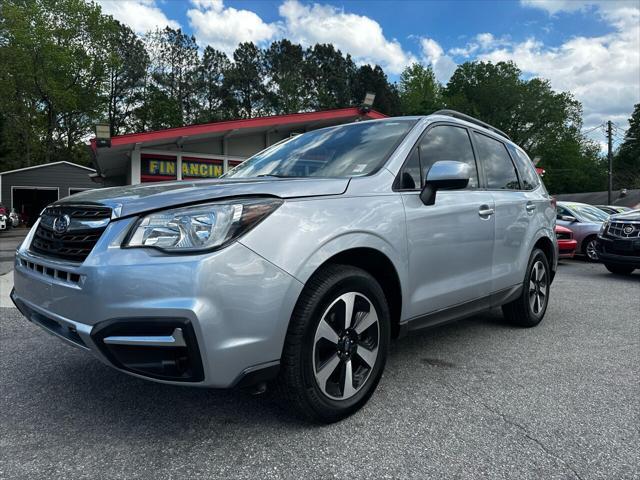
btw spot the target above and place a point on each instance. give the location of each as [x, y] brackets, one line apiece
[610, 157]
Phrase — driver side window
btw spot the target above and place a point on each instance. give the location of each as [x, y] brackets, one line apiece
[445, 142]
[442, 142]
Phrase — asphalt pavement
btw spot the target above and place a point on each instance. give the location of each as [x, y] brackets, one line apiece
[473, 399]
[9, 241]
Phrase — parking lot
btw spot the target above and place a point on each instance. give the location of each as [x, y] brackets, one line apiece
[474, 399]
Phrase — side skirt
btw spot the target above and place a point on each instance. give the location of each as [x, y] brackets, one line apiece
[461, 310]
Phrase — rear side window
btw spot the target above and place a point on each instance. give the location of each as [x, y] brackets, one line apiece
[528, 175]
[445, 142]
[497, 164]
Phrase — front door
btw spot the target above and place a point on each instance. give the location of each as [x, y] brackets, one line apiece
[450, 243]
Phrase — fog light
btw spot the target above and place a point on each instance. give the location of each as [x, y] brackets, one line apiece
[162, 349]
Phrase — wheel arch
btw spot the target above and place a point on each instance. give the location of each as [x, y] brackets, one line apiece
[380, 267]
[548, 247]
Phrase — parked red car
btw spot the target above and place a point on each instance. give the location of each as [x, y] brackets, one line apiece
[566, 243]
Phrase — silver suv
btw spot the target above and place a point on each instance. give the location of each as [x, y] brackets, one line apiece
[302, 263]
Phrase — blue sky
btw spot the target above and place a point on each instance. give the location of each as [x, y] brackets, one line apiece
[588, 47]
[449, 22]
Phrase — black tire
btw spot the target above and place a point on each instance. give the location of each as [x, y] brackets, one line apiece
[619, 269]
[589, 248]
[521, 312]
[297, 381]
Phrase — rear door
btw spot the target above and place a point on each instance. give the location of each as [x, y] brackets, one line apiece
[514, 212]
[450, 242]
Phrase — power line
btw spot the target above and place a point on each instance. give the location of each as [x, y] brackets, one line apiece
[592, 129]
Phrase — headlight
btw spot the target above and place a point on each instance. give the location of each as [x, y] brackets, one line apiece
[200, 227]
[603, 227]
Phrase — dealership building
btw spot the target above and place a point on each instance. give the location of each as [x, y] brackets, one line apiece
[204, 151]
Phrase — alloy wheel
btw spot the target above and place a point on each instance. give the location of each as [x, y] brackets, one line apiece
[345, 346]
[592, 253]
[538, 288]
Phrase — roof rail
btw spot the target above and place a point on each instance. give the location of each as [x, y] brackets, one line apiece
[468, 118]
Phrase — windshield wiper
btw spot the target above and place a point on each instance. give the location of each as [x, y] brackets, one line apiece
[275, 175]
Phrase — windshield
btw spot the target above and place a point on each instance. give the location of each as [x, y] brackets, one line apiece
[589, 213]
[350, 150]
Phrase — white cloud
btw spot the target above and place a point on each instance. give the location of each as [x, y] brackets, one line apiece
[140, 15]
[602, 72]
[443, 65]
[225, 27]
[357, 35]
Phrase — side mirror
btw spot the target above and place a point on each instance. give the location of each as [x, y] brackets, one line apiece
[568, 218]
[444, 175]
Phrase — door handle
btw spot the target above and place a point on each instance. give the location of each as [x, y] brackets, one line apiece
[486, 211]
[530, 207]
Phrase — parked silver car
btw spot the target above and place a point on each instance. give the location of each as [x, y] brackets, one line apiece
[585, 222]
[302, 263]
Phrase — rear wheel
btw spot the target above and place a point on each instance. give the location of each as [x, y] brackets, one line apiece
[529, 308]
[590, 248]
[336, 345]
[620, 269]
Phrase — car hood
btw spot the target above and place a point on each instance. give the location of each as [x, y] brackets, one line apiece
[633, 215]
[134, 199]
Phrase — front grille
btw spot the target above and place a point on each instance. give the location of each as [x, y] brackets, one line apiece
[563, 235]
[624, 229]
[85, 225]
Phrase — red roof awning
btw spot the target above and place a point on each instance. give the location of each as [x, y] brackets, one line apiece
[169, 134]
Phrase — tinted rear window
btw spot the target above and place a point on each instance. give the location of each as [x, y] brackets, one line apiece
[528, 175]
[499, 169]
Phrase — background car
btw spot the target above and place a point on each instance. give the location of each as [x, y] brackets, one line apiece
[585, 222]
[14, 218]
[619, 243]
[612, 209]
[566, 243]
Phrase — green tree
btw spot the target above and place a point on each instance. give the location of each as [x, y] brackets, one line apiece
[126, 68]
[174, 71]
[216, 102]
[330, 77]
[288, 87]
[245, 80]
[52, 73]
[626, 163]
[420, 92]
[544, 122]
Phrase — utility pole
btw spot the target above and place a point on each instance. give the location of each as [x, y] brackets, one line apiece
[610, 157]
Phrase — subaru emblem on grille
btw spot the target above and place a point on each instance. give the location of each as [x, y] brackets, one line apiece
[61, 224]
[628, 229]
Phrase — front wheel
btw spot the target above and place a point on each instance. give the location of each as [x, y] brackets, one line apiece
[529, 308]
[336, 344]
[590, 249]
[620, 269]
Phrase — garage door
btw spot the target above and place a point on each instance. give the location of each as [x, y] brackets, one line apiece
[29, 201]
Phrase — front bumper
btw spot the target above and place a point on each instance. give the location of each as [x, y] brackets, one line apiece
[236, 304]
[610, 253]
[567, 248]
